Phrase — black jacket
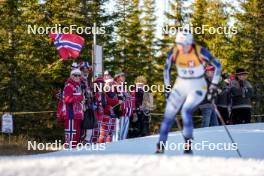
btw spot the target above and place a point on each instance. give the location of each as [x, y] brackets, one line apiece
[224, 96]
[241, 92]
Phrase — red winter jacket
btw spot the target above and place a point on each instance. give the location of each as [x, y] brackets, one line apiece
[111, 101]
[73, 99]
[127, 105]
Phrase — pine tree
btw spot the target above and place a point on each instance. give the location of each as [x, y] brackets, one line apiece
[123, 9]
[198, 19]
[217, 18]
[148, 35]
[248, 46]
[129, 40]
[210, 16]
[10, 37]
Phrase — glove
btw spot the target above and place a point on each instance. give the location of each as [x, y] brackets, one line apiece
[212, 92]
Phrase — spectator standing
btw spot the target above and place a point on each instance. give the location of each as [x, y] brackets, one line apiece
[241, 92]
[209, 117]
[223, 100]
[143, 104]
[74, 108]
[90, 121]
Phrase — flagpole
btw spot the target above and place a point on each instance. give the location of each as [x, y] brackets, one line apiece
[93, 50]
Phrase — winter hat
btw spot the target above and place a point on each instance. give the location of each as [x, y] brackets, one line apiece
[76, 72]
[241, 71]
[184, 38]
[108, 78]
[106, 72]
[84, 64]
[74, 66]
[119, 74]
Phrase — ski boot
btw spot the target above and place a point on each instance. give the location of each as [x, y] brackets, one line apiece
[160, 148]
[187, 148]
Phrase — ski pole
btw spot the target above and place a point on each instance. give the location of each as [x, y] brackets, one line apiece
[223, 123]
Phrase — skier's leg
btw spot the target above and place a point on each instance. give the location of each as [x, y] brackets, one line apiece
[173, 105]
[191, 102]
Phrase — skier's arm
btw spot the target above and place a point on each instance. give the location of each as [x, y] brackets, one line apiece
[214, 62]
[167, 68]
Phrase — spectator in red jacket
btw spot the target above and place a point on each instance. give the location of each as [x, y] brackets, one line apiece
[74, 109]
[126, 107]
[109, 118]
[98, 103]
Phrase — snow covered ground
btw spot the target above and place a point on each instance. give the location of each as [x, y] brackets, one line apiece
[136, 157]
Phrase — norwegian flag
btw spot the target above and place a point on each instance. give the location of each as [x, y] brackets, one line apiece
[68, 45]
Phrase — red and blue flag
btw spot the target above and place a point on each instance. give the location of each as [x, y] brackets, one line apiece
[68, 45]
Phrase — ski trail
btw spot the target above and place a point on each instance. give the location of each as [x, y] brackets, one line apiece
[136, 157]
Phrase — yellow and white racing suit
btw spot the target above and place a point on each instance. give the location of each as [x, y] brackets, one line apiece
[189, 89]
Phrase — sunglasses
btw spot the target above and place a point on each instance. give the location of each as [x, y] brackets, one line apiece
[77, 76]
[182, 44]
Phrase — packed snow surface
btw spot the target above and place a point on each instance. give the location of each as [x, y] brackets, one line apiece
[136, 157]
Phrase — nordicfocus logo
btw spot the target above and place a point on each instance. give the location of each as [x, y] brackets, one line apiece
[203, 29]
[71, 29]
[204, 145]
[58, 145]
[130, 88]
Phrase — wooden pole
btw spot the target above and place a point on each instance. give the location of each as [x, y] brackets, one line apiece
[93, 51]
